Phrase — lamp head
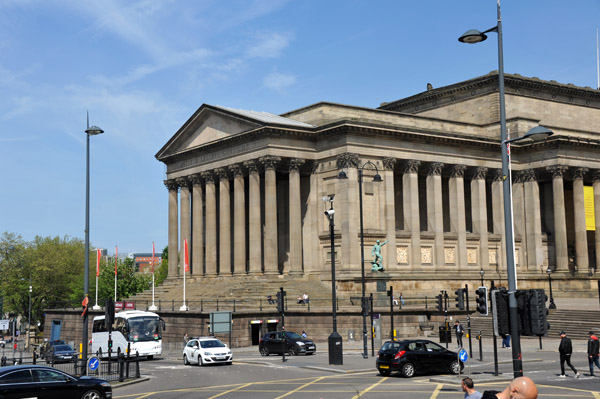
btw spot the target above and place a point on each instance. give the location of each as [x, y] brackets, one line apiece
[94, 130]
[481, 272]
[377, 178]
[472, 36]
[538, 133]
[342, 175]
[329, 213]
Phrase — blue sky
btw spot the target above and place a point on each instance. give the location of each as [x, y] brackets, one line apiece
[142, 68]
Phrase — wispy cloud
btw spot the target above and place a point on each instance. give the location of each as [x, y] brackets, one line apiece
[268, 45]
[279, 81]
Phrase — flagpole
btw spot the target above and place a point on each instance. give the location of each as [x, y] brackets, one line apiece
[116, 257]
[185, 263]
[96, 307]
[153, 307]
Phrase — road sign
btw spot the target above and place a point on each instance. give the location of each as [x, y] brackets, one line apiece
[4, 324]
[463, 355]
[93, 363]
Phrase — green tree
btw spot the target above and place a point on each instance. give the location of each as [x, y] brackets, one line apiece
[129, 282]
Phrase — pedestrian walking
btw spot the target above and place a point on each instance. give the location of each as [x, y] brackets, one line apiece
[520, 387]
[469, 390]
[505, 340]
[459, 331]
[565, 349]
[185, 339]
[592, 351]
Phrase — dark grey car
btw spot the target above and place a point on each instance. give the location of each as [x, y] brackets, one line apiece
[294, 344]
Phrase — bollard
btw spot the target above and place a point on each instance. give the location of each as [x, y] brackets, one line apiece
[480, 347]
[137, 365]
[121, 366]
[127, 360]
[109, 359]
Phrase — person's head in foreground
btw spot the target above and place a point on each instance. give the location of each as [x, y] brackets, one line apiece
[519, 388]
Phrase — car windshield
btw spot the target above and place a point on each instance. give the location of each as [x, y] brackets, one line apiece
[292, 335]
[62, 348]
[213, 343]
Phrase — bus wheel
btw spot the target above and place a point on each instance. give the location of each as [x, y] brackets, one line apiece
[150, 357]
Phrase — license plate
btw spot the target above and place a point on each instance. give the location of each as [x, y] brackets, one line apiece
[384, 367]
[220, 357]
[311, 347]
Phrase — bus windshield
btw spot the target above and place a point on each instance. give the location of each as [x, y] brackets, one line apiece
[144, 328]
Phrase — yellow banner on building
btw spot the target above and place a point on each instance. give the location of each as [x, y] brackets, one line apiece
[588, 200]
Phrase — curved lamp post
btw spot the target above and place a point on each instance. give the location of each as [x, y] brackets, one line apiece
[90, 131]
[475, 36]
[552, 304]
[377, 179]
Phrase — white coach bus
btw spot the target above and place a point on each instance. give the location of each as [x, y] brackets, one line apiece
[141, 330]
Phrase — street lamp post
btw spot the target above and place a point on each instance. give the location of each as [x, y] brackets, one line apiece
[29, 314]
[90, 131]
[474, 36]
[552, 304]
[377, 178]
[482, 273]
[335, 340]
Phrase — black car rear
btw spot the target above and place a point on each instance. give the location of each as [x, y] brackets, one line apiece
[416, 356]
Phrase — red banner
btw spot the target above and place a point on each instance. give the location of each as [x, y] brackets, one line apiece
[152, 267]
[185, 256]
[97, 262]
[116, 257]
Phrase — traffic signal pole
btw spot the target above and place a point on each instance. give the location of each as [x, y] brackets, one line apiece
[468, 320]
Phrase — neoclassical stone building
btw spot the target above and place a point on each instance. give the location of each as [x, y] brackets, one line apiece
[246, 188]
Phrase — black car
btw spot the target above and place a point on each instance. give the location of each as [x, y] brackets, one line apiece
[416, 356]
[294, 344]
[48, 383]
[60, 354]
[46, 346]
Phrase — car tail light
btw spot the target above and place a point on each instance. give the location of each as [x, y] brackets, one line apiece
[399, 355]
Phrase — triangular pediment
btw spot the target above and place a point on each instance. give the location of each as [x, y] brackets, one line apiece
[208, 124]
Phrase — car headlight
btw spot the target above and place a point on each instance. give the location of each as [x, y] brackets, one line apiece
[207, 353]
[105, 384]
[300, 343]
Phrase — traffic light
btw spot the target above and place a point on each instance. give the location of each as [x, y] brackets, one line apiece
[460, 298]
[500, 312]
[482, 304]
[538, 313]
[440, 302]
[281, 300]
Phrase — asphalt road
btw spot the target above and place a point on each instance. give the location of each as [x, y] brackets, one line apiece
[252, 376]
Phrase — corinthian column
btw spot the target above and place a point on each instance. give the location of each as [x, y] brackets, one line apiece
[457, 212]
[239, 220]
[271, 251]
[560, 221]
[173, 226]
[533, 226]
[390, 212]
[498, 215]
[479, 214]
[185, 219]
[597, 214]
[211, 224]
[410, 185]
[295, 217]
[254, 227]
[435, 211]
[224, 222]
[581, 246]
[197, 226]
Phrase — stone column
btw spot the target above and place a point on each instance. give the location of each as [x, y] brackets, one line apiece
[197, 265]
[224, 222]
[173, 227]
[271, 251]
[254, 223]
[310, 231]
[596, 186]
[533, 225]
[410, 185]
[211, 224]
[560, 221]
[347, 216]
[390, 213]
[498, 215]
[458, 222]
[185, 220]
[295, 217]
[435, 211]
[519, 218]
[479, 214]
[239, 220]
[581, 246]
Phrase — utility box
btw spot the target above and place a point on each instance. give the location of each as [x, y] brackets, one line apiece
[376, 330]
[350, 335]
[335, 349]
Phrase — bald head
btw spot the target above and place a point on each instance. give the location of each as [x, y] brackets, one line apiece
[521, 388]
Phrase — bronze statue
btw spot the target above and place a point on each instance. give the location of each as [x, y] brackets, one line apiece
[377, 264]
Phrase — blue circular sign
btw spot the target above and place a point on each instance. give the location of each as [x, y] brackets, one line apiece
[462, 355]
[93, 363]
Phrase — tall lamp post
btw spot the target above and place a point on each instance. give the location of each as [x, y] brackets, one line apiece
[377, 179]
[552, 304]
[90, 131]
[29, 314]
[475, 36]
[335, 340]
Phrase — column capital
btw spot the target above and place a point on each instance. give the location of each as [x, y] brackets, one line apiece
[497, 175]
[435, 169]
[596, 175]
[196, 179]
[388, 163]
[183, 182]
[314, 166]
[208, 177]
[269, 161]
[171, 184]
[411, 166]
[579, 172]
[236, 170]
[458, 171]
[252, 166]
[557, 170]
[295, 164]
[222, 173]
[347, 160]
[528, 175]
[480, 173]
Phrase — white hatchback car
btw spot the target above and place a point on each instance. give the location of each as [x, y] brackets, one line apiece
[206, 350]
